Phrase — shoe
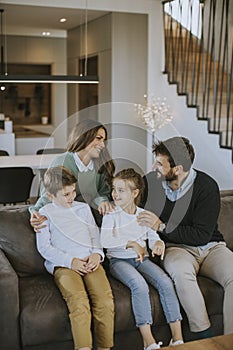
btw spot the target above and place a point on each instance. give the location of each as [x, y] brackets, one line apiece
[154, 346]
[174, 343]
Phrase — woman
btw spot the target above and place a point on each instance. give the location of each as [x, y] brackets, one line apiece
[90, 162]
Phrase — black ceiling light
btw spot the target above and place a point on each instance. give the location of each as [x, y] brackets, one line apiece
[67, 79]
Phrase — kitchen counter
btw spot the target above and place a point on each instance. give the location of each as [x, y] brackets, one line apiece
[24, 132]
[29, 140]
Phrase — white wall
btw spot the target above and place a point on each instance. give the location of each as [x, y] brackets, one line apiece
[129, 57]
[129, 83]
[189, 20]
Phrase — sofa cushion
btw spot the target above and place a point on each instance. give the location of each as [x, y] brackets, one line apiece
[17, 240]
[44, 314]
[225, 220]
[124, 318]
[211, 291]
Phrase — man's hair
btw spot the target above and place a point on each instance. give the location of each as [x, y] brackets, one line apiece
[178, 150]
[56, 178]
[135, 179]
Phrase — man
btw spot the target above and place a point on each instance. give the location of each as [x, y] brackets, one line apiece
[182, 204]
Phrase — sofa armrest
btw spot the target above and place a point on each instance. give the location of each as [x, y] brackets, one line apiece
[9, 306]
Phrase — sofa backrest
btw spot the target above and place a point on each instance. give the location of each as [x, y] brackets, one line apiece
[225, 220]
[18, 241]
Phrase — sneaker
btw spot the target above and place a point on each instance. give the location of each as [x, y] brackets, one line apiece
[177, 342]
[154, 346]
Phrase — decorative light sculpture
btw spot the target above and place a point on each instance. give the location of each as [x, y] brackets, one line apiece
[154, 114]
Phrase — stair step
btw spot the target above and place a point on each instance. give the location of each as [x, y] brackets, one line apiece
[182, 60]
[224, 109]
[204, 85]
[214, 107]
[211, 99]
[221, 124]
[209, 78]
[205, 97]
[226, 139]
[223, 117]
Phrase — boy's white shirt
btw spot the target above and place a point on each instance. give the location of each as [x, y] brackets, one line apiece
[119, 227]
[69, 233]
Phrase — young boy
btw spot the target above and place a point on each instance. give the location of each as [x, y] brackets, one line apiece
[70, 244]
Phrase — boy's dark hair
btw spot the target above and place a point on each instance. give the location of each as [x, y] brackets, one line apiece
[56, 178]
[178, 150]
[131, 175]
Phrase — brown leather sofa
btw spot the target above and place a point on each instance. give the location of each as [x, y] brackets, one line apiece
[33, 314]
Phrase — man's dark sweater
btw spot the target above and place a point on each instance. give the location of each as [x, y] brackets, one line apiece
[192, 219]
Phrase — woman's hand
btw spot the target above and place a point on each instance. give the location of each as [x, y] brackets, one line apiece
[159, 249]
[36, 221]
[105, 207]
[93, 262]
[141, 252]
[80, 266]
[147, 218]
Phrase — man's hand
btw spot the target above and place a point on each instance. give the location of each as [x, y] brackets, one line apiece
[79, 265]
[141, 252]
[36, 221]
[105, 207]
[93, 262]
[147, 218]
[159, 249]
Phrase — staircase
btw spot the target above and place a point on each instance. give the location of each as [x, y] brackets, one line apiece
[202, 66]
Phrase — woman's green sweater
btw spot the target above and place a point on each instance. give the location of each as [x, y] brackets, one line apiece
[90, 186]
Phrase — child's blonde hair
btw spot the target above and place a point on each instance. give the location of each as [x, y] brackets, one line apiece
[56, 178]
[135, 178]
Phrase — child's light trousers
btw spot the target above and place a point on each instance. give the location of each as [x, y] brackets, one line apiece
[76, 290]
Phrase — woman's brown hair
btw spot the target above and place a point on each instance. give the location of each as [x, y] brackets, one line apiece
[82, 135]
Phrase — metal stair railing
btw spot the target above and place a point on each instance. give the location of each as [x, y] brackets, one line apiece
[201, 62]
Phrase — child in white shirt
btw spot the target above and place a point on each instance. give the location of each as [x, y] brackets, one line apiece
[129, 260]
[70, 244]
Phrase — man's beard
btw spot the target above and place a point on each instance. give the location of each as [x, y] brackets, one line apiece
[170, 176]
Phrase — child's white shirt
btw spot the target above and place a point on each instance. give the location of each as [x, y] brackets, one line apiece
[69, 233]
[119, 227]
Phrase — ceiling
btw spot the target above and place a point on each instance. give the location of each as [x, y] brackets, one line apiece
[32, 20]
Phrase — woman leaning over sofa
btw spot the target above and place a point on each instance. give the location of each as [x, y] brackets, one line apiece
[88, 159]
